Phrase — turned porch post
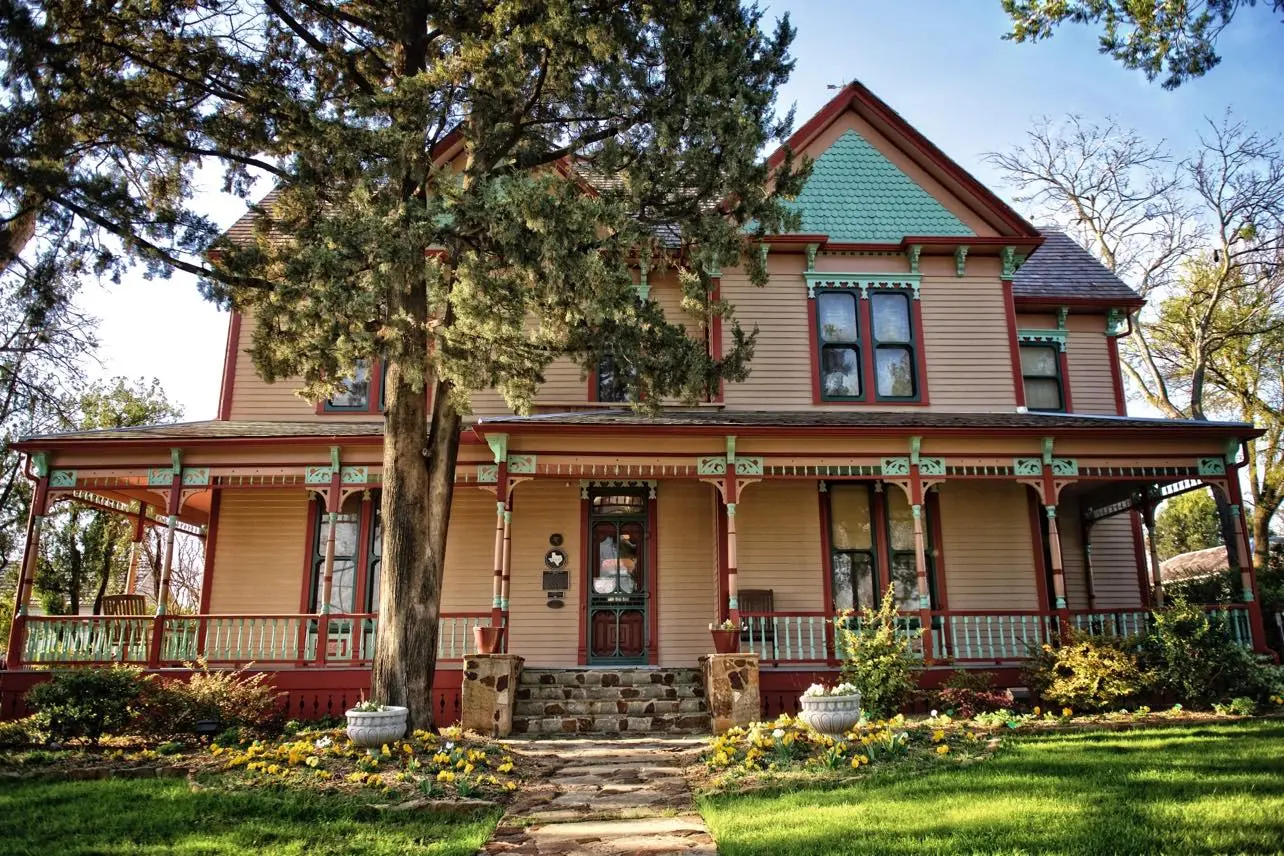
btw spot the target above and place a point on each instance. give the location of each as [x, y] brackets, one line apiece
[173, 503]
[1058, 570]
[508, 565]
[1247, 570]
[1148, 504]
[136, 549]
[497, 584]
[30, 557]
[1088, 570]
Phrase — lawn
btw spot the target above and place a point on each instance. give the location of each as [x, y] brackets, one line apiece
[155, 816]
[1171, 790]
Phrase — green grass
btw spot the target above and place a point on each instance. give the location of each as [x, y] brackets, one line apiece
[1176, 790]
[152, 816]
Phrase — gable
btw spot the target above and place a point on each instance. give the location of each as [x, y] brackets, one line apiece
[856, 194]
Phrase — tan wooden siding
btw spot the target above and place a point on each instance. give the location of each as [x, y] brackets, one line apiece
[1092, 386]
[688, 571]
[988, 548]
[255, 399]
[780, 376]
[1114, 564]
[1070, 528]
[545, 637]
[965, 342]
[778, 542]
[259, 552]
[468, 583]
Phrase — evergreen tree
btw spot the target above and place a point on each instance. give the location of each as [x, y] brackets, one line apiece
[461, 190]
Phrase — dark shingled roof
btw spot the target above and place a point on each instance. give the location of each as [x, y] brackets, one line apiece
[221, 430]
[1060, 268]
[888, 419]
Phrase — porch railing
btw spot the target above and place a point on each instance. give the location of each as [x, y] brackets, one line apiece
[961, 636]
[223, 640]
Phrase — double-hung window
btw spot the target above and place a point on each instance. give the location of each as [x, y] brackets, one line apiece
[613, 381]
[871, 536]
[1041, 374]
[868, 345]
[361, 392]
[358, 548]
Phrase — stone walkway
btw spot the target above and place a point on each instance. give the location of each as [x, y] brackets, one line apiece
[605, 796]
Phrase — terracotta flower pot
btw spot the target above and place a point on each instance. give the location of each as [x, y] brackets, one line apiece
[726, 641]
[489, 639]
[831, 715]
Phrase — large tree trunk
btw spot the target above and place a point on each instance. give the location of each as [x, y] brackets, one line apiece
[418, 485]
[1262, 516]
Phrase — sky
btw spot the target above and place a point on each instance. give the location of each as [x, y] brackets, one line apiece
[940, 63]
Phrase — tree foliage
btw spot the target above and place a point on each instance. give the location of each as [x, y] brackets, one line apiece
[1174, 38]
[462, 189]
[1186, 523]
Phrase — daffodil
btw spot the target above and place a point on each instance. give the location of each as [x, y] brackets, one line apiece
[943, 749]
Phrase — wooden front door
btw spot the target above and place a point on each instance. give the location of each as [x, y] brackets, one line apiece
[619, 583]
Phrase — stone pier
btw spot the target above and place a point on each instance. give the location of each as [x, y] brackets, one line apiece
[731, 689]
[489, 693]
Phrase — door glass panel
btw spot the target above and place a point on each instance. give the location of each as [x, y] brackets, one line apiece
[840, 373]
[891, 317]
[606, 543]
[630, 560]
[837, 317]
[850, 517]
[895, 370]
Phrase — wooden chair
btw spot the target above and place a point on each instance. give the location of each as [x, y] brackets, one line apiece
[758, 600]
[124, 604]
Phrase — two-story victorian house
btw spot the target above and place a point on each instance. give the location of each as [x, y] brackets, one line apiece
[935, 405]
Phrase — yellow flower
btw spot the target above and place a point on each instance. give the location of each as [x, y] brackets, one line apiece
[407, 748]
[445, 776]
[1037, 711]
[938, 736]
[1067, 712]
[322, 774]
[510, 786]
[356, 777]
[468, 768]
[942, 749]
[373, 779]
[313, 761]
[274, 769]
[506, 767]
[441, 758]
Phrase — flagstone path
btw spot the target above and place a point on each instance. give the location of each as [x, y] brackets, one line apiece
[600, 796]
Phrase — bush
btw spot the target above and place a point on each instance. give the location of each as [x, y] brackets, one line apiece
[233, 698]
[965, 694]
[86, 702]
[19, 732]
[1191, 658]
[1087, 672]
[877, 658]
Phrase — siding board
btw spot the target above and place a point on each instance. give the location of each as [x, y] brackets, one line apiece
[260, 548]
[989, 549]
[778, 543]
[688, 571]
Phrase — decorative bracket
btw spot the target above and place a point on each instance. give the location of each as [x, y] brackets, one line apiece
[1116, 322]
[40, 463]
[498, 446]
[896, 466]
[1008, 257]
[1063, 315]
[522, 464]
[862, 281]
[960, 260]
[811, 258]
[1056, 338]
[644, 268]
[915, 250]
[62, 478]
[1212, 467]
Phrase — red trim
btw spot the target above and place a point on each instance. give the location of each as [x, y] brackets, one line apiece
[1014, 345]
[1162, 430]
[211, 539]
[230, 354]
[1141, 559]
[865, 347]
[920, 352]
[865, 103]
[826, 549]
[1036, 540]
[715, 340]
[813, 345]
[1116, 377]
[653, 560]
[1052, 304]
[360, 585]
[724, 572]
[978, 245]
[882, 540]
[584, 582]
[309, 552]
[1063, 361]
[864, 309]
[936, 538]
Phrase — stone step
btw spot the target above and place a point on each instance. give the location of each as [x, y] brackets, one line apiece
[555, 692]
[668, 723]
[612, 677]
[588, 707]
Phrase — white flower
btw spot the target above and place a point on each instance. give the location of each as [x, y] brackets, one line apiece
[778, 733]
[450, 744]
[932, 714]
[815, 690]
[322, 742]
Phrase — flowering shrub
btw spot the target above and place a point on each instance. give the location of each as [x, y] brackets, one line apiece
[787, 743]
[1190, 656]
[1087, 672]
[877, 659]
[236, 699]
[449, 764]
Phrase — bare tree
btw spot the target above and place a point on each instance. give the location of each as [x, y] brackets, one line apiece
[187, 571]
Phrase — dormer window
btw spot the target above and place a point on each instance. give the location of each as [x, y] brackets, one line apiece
[360, 393]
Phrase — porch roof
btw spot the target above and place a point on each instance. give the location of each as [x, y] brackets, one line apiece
[859, 421]
[214, 430]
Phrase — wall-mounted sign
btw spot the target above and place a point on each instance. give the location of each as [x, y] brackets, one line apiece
[555, 559]
[555, 540]
[556, 580]
[556, 600]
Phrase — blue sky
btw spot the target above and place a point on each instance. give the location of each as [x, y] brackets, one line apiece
[940, 63]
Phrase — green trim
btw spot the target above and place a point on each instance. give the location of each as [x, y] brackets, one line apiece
[1063, 316]
[811, 256]
[865, 282]
[1027, 467]
[749, 466]
[915, 250]
[713, 465]
[488, 473]
[1115, 322]
[354, 475]
[40, 463]
[960, 260]
[931, 466]
[522, 464]
[915, 445]
[176, 459]
[196, 477]
[318, 475]
[1047, 450]
[62, 478]
[1212, 467]
[498, 446]
[1056, 338]
[160, 477]
[896, 466]
[1008, 257]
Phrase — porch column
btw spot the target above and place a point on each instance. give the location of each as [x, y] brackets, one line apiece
[1247, 570]
[1148, 519]
[508, 565]
[136, 549]
[173, 505]
[497, 584]
[333, 501]
[733, 586]
[30, 557]
[920, 570]
[1088, 571]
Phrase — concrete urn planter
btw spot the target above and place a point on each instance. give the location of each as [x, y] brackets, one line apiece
[372, 729]
[831, 715]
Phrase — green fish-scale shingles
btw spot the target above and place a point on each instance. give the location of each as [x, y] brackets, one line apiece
[856, 194]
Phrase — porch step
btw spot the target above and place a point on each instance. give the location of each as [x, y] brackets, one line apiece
[633, 701]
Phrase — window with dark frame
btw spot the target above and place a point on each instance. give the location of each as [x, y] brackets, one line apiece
[614, 382]
[890, 354]
[360, 392]
[353, 559]
[855, 508]
[1041, 375]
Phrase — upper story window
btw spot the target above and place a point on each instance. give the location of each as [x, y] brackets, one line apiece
[868, 339]
[1041, 375]
[362, 392]
[612, 382]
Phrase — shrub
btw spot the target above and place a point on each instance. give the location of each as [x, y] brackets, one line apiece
[1191, 657]
[964, 694]
[1087, 672]
[86, 702]
[19, 732]
[234, 698]
[877, 658]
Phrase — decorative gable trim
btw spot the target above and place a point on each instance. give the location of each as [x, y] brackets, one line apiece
[1043, 337]
[862, 281]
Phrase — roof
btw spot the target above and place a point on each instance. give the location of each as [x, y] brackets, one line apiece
[1196, 565]
[215, 429]
[886, 420]
[1061, 268]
